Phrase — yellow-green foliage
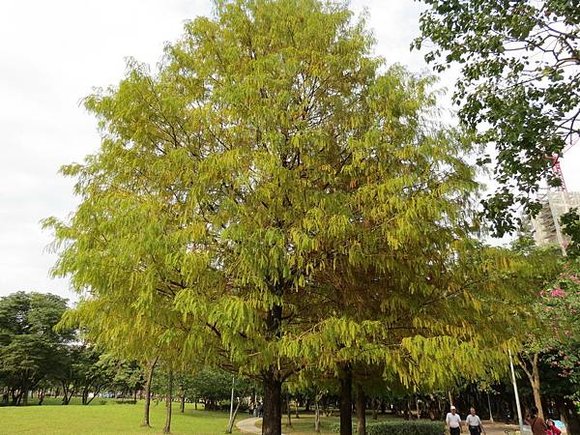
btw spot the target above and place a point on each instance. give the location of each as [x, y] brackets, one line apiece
[275, 197]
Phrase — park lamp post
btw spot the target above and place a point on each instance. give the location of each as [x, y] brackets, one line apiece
[518, 407]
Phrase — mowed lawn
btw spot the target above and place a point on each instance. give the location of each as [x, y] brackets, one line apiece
[113, 418]
[110, 418]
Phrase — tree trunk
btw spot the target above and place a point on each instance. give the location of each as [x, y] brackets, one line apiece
[361, 417]
[182, 405]
[534, 378]
[272, 421]
[376, 406]
[150, 370]
[94, 395]
[289, 410]
[233, 418]
[418, 408]
[85, 395]
[346, 401]
[489, 406]
[66, 394]
[317, 414]
[168, 402]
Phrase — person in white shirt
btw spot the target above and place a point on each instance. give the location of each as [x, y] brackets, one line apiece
[453, 421]
[474, 423]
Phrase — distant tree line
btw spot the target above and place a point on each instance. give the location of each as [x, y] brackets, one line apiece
[39, 360]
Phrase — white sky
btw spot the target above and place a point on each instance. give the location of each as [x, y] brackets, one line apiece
[52, 53]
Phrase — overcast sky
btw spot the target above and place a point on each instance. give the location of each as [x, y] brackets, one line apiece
[52, 53]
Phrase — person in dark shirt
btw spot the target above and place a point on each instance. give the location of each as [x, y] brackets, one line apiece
[537, 423]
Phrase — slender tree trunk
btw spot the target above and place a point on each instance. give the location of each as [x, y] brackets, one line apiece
[85, 395]
[346, 401]
[376, 407]
[168, 403]
[233, 418]
[41, 394]
[534, 378]
[289, 410]
[94, 395]
[25, 396]
[489, 406]
[418, 408]
[317, 414]
[148, 381]
[272, 421]
[361, 417]
[182, 405]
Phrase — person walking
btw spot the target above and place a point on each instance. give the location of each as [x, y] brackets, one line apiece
[453, 421]
[473, 423]
[552, 429]
[537, 423]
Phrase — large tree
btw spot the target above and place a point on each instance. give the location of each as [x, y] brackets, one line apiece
[519, 86]
[243, 188]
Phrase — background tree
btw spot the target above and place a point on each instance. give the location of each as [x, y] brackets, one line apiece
[559, 362]
[519, 87]
[30, 350]
[84, 370]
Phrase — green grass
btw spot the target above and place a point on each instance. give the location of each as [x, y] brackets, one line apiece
[107, 417]
[110, 418]
[305, 424]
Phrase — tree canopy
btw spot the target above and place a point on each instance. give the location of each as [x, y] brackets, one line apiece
[519, 87]
[30, 351]
[273, 197]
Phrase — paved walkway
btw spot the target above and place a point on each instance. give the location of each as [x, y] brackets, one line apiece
[248, 425]
[497, 428]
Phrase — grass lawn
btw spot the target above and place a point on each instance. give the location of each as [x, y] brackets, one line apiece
[305, 424]
[107, 419]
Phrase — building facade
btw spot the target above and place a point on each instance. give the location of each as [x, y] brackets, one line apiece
[545, 226]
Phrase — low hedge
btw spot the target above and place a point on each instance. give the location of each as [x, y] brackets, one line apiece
[399, 427]
[406, 427]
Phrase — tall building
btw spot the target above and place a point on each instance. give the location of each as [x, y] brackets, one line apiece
[546, 227]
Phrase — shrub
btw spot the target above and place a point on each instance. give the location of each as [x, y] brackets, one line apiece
[398, 427]
[126, 401]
